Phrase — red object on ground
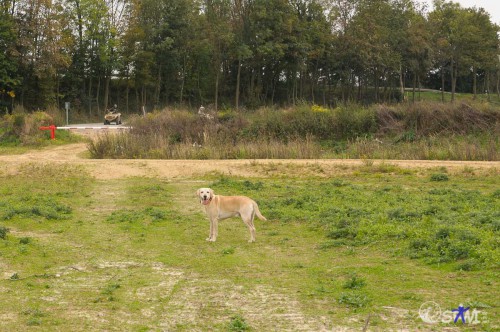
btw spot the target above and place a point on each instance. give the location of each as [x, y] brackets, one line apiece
[52, 129]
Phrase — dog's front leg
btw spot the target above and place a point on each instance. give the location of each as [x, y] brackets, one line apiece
[209, 238]
[213, 230]
[216, 229]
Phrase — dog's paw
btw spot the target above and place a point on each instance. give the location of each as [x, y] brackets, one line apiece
[209, 239]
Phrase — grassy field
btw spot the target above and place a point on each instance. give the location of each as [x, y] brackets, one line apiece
[365, 249]
[434, 95]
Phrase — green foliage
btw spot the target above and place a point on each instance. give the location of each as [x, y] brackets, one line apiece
[35, 316]
[227, 251]
[24, 240]
[3, 232]
[354, 300]
[264, 52]
[23, 128]
[354, 282]
[439, 177]
[49, 198]
[238, 324]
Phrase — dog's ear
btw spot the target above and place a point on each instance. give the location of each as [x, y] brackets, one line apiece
[212, 194]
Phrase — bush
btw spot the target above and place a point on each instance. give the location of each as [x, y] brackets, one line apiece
[3, 232]
[354, 282]
[439, 177]
[24, 128]
[354, 300]
[238, 324]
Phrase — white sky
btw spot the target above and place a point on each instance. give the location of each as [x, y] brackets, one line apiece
[491, 6]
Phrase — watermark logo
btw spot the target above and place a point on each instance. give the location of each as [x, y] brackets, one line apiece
[430, 312]
[460, 313]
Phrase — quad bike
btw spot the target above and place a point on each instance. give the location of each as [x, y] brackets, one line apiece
[113, 116]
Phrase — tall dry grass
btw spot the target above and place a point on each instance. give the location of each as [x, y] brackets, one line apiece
[124, 145]
[402, 131]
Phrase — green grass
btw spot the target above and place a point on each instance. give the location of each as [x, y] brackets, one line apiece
[436, 97]
[378, 241]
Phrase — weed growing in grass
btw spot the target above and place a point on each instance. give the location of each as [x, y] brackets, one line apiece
[227, 251]
[354, 300]
[439, 177]
[354, 282]
[3, 232]
[24, 240]
[108, 293]
[34, 316]
[238, 324]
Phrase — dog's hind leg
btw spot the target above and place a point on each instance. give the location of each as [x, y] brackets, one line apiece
[248, 220]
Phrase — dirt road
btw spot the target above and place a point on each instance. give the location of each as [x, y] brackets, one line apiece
[77, 154]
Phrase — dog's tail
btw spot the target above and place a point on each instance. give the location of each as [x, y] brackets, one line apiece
[257, 212]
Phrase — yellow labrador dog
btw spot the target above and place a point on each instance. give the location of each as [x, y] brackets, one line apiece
[220, 207]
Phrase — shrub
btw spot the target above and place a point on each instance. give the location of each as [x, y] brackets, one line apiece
[354, 299]
[439, 177]
[354, 282]
[24, 128]
[238, 324]
[3, 232]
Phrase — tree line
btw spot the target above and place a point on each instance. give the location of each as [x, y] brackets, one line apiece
[239, 53]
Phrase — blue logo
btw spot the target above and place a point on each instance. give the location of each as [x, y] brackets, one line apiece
[460, 313]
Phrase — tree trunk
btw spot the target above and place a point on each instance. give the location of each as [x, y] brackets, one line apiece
[217, 89]
[419, 89]
[498, 83]
[106, 91]
[453, 70]
[156, 97]
[97, 96]
[238, 76]
[183, 80]
[80, 46]
[401, 83]
[487, 85]
[360, 89]
[442, 84]
[127, 90]
[414, 86]
[90, 96]
[474, 82]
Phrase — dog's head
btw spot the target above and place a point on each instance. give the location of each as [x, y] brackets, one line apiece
[205, 195]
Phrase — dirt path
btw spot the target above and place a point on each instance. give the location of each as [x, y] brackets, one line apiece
[76, 154]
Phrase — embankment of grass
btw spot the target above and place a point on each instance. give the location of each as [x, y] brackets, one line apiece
[404, 131]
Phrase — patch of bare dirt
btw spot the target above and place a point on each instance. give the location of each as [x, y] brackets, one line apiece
[76, 154]
[173, 298]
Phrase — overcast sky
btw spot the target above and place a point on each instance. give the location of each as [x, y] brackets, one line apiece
[491, 6]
